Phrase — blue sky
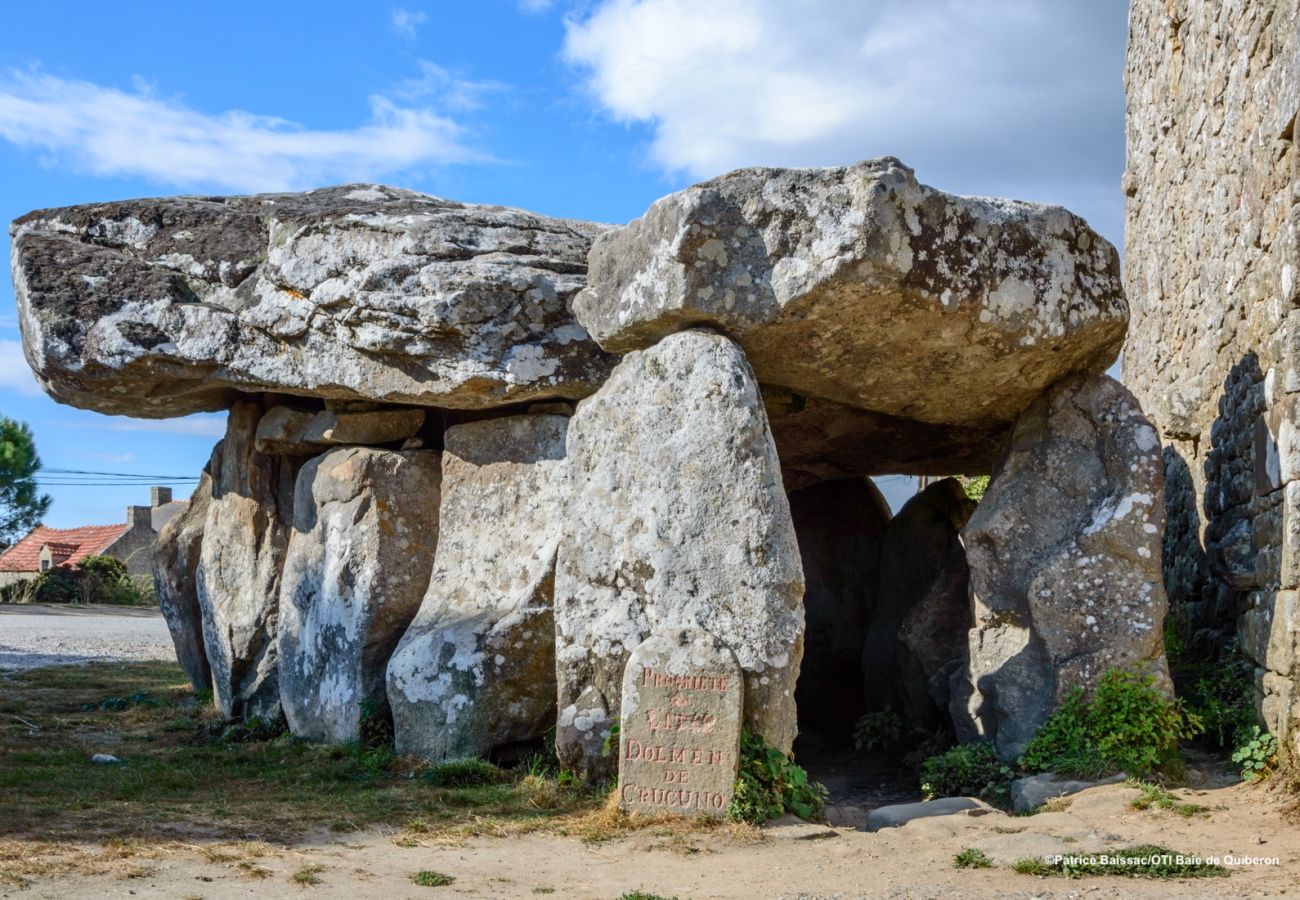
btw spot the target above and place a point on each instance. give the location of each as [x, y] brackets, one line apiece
[590, 109]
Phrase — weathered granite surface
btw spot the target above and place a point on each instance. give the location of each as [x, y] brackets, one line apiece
[365, 525]
[858, 284]
[1212, 270]
[245, 536]
[1064, 556]
[675, 516]
[476, 669]
[175, 565]
[164, 307]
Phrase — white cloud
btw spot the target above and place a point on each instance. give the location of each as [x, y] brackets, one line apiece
[15, 374]
[536, 7]
[1008, 97]
[107, 131]
[407, 20]
[200, 424]
[437, 85]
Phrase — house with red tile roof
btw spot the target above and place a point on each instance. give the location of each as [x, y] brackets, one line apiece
[132, 542]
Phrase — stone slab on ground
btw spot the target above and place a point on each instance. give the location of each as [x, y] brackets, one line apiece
[902, 813]
[679, 739]
[1033, 791]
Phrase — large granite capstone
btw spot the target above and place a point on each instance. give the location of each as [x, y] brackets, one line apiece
[166, 307]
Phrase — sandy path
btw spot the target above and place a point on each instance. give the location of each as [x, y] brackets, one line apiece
[799, 862]
[37, 635]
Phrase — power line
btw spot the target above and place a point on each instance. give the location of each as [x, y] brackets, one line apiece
[117, 474]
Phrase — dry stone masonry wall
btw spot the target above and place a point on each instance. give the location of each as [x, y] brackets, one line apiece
[428, 408]
[1212, 269]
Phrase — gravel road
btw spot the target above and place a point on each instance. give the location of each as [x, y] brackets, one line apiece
[32, 636]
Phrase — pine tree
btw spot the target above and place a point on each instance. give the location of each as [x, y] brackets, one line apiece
[21, 506]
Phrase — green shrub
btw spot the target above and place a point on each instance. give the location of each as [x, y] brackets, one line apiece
[769, 783]
[971, 858]
[432, 879]
[467, 772]
[1127, 725]
[1256, 753]
[967, 770]
[1222, 694]
[879, 730]
[98, 579]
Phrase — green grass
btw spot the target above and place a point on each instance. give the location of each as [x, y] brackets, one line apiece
[642, 895]
[184, 771]
[307, 876]
[1153, 796]
[1146, 861]
[432, 879]
[970, 858]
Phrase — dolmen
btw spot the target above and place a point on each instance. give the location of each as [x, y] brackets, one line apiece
[478, 459]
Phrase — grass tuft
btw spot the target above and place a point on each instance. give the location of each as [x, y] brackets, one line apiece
[1145, 861]
[971, 858]
[429, 878]
[1154, 796]
[308, 875]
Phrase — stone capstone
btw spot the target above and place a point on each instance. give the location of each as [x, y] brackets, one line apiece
[365, 525]
[679, 729]
[165, 307]
[1064, 556]
[675, 517]
[476, 669]
[861, 286]
[285, 430]
[917, 639]
[175, 565]
[245, 535]
[839, 525]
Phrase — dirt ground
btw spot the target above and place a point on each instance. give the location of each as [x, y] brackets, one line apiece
[795, 861]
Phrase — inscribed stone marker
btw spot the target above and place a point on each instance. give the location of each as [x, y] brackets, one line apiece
[679, 740]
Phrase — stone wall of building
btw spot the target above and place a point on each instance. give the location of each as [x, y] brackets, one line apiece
[1212, 272]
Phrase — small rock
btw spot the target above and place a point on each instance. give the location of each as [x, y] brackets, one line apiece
[105, 759]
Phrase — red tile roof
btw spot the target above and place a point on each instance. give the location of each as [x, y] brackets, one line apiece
[91, 540]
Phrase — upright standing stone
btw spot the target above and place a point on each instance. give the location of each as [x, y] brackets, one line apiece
[175, 564]
[679, 737]
[676, 516]
[365, 528]
[476, 669]
[1064, 554]
[238, 577]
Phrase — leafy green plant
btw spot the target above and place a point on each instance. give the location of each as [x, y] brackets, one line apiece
[965, 770]
[1256, 753]
[971, 858]
[878, 730]
[610, 744]
[467, 772]
[1127, 725]
[429, 878]
[769, 783]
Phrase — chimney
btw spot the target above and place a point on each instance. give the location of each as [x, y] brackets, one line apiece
[159, 496]
[139, 517]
